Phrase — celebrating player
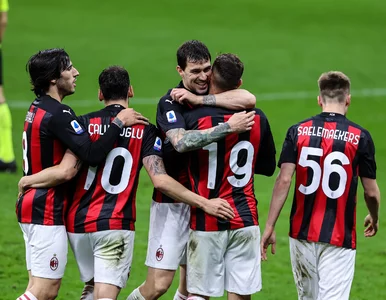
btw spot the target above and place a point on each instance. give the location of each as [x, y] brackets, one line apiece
[328, 153]
[194, 67]
[50, 127]
[224, 254]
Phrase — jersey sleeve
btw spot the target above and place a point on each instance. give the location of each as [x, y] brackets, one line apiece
[289, 152]
[152, 143]
[69, 130]
[169, 115]
[366, 162]
[266, 158]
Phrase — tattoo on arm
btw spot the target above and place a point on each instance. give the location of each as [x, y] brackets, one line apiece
[190, 140]
[155, 164]
[209, 100]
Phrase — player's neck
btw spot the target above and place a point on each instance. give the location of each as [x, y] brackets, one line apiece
[123, 102]
[213, 90]
[334, 108]
[54, 94]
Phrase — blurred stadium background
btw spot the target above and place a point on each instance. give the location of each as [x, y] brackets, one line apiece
[285, 46]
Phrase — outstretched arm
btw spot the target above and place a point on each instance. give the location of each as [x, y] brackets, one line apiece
[52, 176]
[189, 140]
[167, 185]
[236, 99]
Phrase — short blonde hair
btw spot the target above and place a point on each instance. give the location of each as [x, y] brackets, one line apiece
[334, 85]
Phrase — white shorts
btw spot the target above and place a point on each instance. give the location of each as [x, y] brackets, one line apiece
[46, 250]
[322, 271]
[105, 255]
[229, 260]
[168, 235]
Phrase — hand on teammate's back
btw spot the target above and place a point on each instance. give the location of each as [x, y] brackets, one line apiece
[371, 226]
[242, 121]
[219, 208]
[131, 117]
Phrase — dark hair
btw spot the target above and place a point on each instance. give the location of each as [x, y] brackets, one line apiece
[192, 51]
[114, 83]
[227, 70]
[44, 66]
[334, 85]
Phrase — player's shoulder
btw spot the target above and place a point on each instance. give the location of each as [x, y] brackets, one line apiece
[364, 131]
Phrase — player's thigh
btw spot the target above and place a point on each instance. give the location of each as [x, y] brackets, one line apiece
[113, 255]
[304, 268]
[84, 255]
[48, 248]
[336, 271]
[206, 266]
[168, 235]
[25, 228]
[242, 261]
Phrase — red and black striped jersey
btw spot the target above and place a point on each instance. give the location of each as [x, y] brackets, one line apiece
[330, 152]
[50, 128]
[170, 116]
[104, 196]
[225, 168]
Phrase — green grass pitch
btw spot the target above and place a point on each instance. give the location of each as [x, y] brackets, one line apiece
[285, 46]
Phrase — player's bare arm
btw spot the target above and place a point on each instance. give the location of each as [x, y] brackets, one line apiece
[167, 185]
[279, 196]
[372, 197]
[189, 140]
[234, 99]
[53, 176]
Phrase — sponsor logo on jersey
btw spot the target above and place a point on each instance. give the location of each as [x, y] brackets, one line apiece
[77, 128]
[54, 263]
[29, 117]
[170, 101]
[67, 111]
[157, 144]
[171, 116]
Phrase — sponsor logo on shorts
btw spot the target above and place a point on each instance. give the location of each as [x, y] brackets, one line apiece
[54, 263]
[171, 116]
[159, 254]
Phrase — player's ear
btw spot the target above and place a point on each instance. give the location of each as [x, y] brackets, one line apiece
[239, 83]
[130, 93]
[53, 81]
[100, 95]
[348, 100]
[179, 70]
[320, 101]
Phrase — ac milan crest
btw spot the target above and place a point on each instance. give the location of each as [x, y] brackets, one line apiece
[159, 255]
[54, 263]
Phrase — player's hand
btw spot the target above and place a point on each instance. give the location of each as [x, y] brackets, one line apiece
[371, 226]
[219, 208]
[182, 95]
[242, 121]
[131, 117]
[21, 187]
[268, 238]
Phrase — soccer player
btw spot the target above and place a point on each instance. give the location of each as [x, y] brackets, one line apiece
[7, 156]
[50, 127]
[101, 217]
[224, 254]
[328, 153]
[167, 244]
